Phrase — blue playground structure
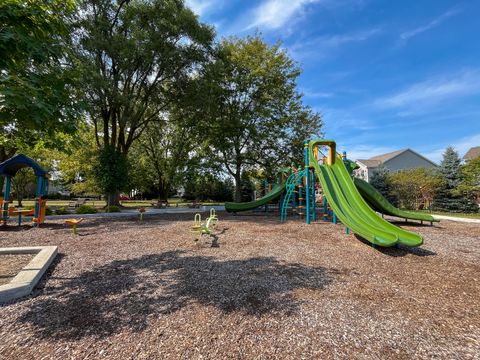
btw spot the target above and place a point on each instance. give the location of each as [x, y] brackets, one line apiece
[9, 169]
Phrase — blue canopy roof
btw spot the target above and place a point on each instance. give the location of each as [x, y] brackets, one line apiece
[11, 166]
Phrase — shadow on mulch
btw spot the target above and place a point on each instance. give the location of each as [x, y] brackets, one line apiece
[399, 250]
[412, 223]
[403, 251]
[125, 294]
[14, 227]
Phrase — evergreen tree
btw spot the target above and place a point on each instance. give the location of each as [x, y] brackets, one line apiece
[450, 167]
[380, 181]
[447, 197]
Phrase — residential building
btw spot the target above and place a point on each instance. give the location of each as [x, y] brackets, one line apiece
[472, 153]
[394, 161]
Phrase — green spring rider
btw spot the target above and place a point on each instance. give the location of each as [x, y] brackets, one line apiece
[204, 228]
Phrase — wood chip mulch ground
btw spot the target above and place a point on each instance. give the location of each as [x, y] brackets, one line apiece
[10, 265]
[123, 289]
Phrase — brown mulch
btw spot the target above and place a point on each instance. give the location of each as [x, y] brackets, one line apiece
[10, 265]
[129, 290]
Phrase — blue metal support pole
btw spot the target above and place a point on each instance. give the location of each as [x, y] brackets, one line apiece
[307, 184]
[300, 196]
[334, 218]
[45, 186]
[6, 195]
[39, 194]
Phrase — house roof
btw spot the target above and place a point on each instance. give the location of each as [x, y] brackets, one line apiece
[384, 157]
[370, 163]
[380, 159]
[472, 153]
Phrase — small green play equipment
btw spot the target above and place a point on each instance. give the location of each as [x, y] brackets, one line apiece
[9, 169]
[213, 216]
[73, 223]
[204, 228]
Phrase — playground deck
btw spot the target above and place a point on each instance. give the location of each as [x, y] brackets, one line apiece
[124, 289]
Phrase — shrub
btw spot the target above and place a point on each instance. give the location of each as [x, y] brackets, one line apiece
[48, 211]
[112, 209]
[61, 211]
[86, 209]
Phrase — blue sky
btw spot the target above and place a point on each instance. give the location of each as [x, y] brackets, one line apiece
[385, 75]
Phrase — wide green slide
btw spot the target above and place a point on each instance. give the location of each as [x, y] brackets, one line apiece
[382, 205]
[276, 191]
[350, 207]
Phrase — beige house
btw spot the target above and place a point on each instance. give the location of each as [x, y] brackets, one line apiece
[471, 154]
[394, 161]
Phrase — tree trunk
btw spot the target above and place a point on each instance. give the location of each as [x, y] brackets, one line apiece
[113, 199]
[238, 187]
[163, 190]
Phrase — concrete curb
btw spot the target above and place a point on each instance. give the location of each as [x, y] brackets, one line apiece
[457, 219]
[26, 280]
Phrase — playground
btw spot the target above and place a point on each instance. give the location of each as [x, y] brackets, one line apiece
[146, 289]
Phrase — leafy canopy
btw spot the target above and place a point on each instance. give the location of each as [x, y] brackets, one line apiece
[134, 57]
[256, 115]
[36, 82]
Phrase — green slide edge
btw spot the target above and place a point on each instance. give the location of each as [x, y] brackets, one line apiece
[351, 208]
[382, 205]
[343, 209]
[276, 191]
[405, 237]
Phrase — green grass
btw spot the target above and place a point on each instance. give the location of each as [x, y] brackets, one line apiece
[100, 204]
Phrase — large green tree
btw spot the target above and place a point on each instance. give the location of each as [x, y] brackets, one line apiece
[76, 163]
[256, 116]
[36, 79]
[469, 186]
[136, 56]
[166, 153]
[415, 188]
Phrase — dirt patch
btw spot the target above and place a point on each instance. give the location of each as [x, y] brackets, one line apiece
[10, 265]
[130, 289]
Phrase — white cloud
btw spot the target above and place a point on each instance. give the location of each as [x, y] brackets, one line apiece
[273, 14]
[325, 46]
[341, 121]
[366, 151]
[309, 93]
[461, 145]
[338, 40]
[433, 91]
[435, 22]
[200, 7]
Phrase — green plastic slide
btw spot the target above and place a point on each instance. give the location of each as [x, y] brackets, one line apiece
[350, 207]
[276, 191]
[382, 205]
